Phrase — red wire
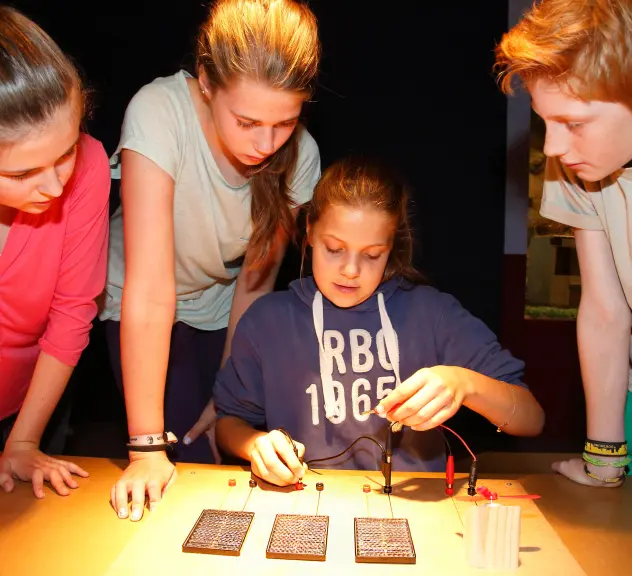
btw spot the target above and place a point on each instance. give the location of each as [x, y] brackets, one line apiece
[461, 439]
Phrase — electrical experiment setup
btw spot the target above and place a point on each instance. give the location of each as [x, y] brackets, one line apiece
[304, 536]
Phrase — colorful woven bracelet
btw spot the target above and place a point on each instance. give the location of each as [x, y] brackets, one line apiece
[602, 463]
[606, 480]
[606, 448]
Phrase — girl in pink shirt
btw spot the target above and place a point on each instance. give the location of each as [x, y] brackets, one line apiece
[54, 191]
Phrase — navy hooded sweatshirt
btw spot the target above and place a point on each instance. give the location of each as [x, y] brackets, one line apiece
[301, 363]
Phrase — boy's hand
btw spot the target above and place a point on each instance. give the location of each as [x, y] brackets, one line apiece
[24, 461]
[272, 459]
[573, 469]
[428, 398]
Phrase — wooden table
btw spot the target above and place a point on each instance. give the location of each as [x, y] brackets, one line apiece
[571, 528]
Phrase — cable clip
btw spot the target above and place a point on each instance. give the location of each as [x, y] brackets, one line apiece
[487, 494]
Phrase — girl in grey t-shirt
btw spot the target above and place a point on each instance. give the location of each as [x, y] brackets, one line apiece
[212, 171]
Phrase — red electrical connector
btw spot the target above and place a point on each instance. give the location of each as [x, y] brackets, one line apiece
[485, 493]
[449, 476]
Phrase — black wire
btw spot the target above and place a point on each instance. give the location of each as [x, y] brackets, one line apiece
[290, 439]
[310, 462]
[445, 439]
[382, 449]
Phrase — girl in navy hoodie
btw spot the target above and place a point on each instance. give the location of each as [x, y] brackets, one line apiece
[315, 359]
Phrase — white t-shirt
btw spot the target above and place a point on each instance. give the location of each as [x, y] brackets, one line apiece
[605, 205]
[212, 218]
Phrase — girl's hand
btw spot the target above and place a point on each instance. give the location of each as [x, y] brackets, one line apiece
[272, 459]
[205, 425]
[148, 472]
[24, 461]
[428, 398]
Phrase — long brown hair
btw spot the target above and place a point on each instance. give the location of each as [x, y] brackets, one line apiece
[36, 77]
[274, 42]
[360, 182]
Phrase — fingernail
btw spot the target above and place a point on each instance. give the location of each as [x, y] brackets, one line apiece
[122, 513]
[379, 410]
[186, 440]
[135, 514]
[153, 506]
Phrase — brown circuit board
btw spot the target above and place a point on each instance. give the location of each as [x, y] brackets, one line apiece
[383, 540]
[298, 537]
[219, 532]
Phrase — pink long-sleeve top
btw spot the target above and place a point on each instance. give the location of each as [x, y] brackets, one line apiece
[52, 268]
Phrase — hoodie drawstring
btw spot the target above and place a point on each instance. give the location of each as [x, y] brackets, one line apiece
[390, 337]
[326, 361]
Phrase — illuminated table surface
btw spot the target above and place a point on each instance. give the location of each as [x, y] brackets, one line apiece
[571, 529]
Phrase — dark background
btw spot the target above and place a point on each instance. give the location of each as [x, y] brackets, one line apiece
[409, 81]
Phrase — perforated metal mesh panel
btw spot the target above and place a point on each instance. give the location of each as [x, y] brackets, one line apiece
[298, 537]
[384, 540]
[219, 532]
